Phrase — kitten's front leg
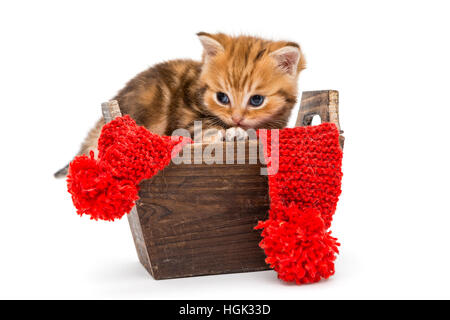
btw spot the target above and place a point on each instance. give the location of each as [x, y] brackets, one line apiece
[213, 135]
[231, 134]
[236, 133]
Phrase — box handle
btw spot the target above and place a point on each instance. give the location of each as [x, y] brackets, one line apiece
[111, 110]
[324, 104]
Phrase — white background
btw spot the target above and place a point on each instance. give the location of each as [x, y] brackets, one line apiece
[389, 59]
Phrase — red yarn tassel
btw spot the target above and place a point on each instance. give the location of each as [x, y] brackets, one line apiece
[297, 246]
[107, 188]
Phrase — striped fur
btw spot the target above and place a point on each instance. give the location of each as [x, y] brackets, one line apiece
[174, 94]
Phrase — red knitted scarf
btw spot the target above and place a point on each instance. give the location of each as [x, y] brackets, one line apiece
[303, 193]
[303, 197]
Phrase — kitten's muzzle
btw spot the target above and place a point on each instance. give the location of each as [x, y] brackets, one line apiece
[237, 120]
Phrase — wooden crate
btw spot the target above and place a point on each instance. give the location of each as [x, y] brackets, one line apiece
[198, 219]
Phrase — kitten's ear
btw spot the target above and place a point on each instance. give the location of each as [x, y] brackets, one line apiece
[289, 59]
[210, 45]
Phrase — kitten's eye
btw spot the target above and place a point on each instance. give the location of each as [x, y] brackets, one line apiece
[222, 98]
[256, 100]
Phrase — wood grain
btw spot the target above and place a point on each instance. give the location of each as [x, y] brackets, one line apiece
[322, 103]
[203, 224]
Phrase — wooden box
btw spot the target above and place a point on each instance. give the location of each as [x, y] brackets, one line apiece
[198, 219]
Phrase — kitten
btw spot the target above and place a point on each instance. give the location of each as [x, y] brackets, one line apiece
[242, 82]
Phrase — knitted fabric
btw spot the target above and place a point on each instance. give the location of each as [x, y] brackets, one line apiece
[303, 197]
[107, 188]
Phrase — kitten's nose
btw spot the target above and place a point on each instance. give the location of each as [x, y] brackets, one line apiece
[236, 119]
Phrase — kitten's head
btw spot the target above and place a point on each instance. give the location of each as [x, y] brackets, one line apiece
[250, 82]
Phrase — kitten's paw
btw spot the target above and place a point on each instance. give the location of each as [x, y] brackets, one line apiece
[213, 136]
[236, 133]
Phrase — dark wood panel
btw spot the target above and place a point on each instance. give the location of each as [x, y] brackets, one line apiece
[198, 225]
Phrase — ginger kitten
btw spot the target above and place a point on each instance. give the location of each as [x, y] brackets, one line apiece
[242, 82]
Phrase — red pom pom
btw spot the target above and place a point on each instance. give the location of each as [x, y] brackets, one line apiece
[107, 188]
[298, 246]
[96, 192]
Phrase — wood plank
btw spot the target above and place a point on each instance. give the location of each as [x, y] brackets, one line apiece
[323, 103]
[203, 224]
